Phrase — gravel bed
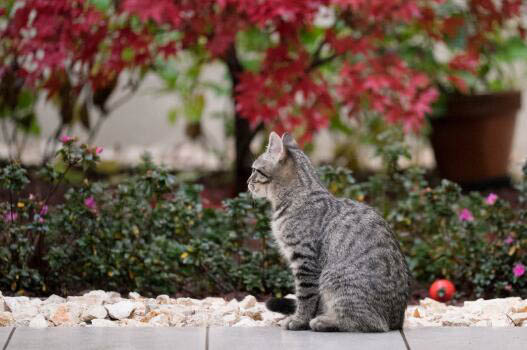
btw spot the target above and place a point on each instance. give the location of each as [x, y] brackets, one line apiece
[109, 309]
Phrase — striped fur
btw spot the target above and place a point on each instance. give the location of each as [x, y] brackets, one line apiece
[349, 271]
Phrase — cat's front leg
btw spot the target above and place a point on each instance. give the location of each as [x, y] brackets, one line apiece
[307, 294]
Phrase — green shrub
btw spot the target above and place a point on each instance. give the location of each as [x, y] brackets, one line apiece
[473, 240]
[152, 234]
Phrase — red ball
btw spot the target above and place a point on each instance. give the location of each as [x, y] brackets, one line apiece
[442, 290]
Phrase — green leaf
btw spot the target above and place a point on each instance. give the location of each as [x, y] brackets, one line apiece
[337, 124]
[511, 50]
[253, 39]
[311, 37]
[102, 5]
[193, 107]
[252, 65]
[128, 54]
[26, 99]
[172, 115]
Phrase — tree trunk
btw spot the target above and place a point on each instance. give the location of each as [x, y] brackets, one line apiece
[244, 157]
[242, 131]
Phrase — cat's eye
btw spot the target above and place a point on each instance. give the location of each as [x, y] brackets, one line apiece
[260, 172]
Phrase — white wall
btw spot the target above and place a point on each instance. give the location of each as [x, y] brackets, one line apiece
[142, 124]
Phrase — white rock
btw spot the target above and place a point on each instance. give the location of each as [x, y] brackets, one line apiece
[134, 295]
[24, 314]
[214, 301]
[126, 322]
[254, 314]
[54, 299]
[112, 298]
[13, 304]
[246, 322]
[493, 306]
[93, 312]
[519, 318]
[230, 319]
[163, 299]
[231, 307]
[6, 319]
[160, 320]
[103, 323]
[273, 317]
[35, 302]
[2, 303]
[48, 309]
[433, 305]
[76, 310]
[38, 322]
[120, 310]
[501, 321]
[248, 302]
[140, 309]
[66, 314]
[520, 306]
[95, 297]
[482, 323]
[177, 319]
[187, 301]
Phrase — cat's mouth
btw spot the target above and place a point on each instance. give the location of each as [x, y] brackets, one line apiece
[256, 191]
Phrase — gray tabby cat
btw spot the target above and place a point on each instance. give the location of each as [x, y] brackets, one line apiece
[349, 271]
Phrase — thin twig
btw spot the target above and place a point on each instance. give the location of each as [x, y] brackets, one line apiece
[7, 139]
[52, 140]
[61, 178]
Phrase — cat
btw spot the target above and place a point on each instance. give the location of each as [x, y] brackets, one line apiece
[350, 274]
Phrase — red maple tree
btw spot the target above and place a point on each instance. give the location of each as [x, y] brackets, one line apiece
[306, 74]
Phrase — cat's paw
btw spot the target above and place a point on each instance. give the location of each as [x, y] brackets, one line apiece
[294, 324]
[323, 324]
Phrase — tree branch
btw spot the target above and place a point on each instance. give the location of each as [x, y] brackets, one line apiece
[317, 62]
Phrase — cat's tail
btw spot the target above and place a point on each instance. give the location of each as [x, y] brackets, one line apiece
[284, 306]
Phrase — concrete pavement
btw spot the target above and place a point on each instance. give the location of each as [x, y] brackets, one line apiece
[224, 338]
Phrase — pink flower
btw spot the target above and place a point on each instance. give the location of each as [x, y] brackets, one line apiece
[10, 216]
[491, 199]
[44, 210]
[466, 215]
[518, 270]
[66, 139]
[90, 202]
[509, 240]
[98, 150]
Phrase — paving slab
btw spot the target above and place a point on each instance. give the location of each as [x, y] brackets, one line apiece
[467, 338]
[82, 338]
[262, 338]
[4, 335]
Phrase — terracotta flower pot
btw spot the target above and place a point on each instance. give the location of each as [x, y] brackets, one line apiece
[472, 142]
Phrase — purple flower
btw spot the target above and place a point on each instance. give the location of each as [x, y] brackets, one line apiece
[491, 199]
[90, 202]
[509, 240]
[10, 216]
[518, 270]
[466, 215]
[66, 139]
[98, 150]
[44, 210]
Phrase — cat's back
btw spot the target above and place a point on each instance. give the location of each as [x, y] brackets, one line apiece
[359, 235]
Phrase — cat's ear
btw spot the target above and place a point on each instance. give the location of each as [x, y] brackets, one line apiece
[288, 140]
[276, 148]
